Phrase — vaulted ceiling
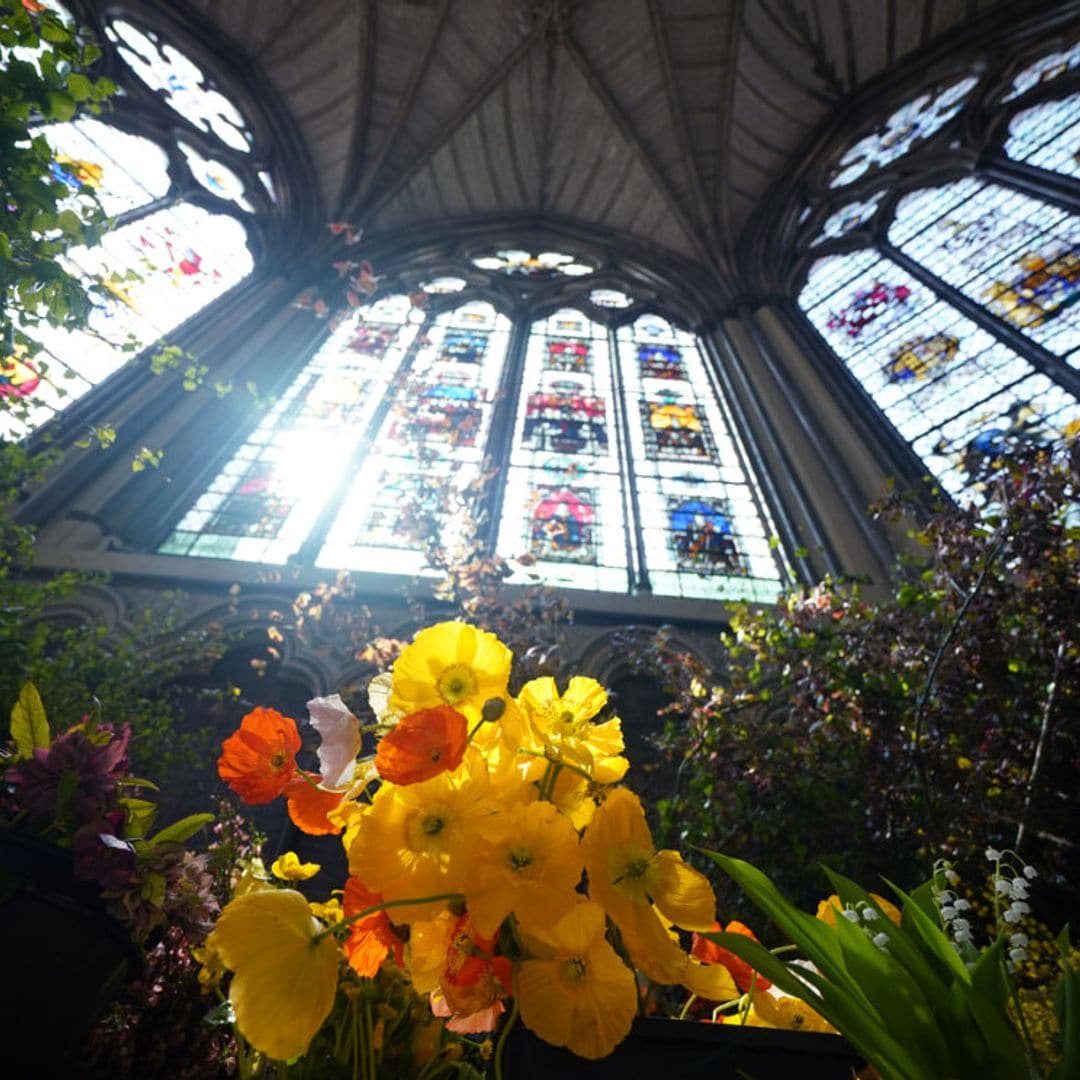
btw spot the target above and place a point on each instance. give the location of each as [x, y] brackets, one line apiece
[668, 120]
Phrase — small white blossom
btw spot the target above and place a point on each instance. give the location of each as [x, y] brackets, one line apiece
[962, 905]
[1018, 939]
[1011, 916]
[948, 912]
[869, 914]
[1030, 873]
[881, 940]
[1017, 956]
[962, 935]
[952, 877]
[1002, 886]
[1019, 889]
[850, 914]
[993, 855]
[1020, 907]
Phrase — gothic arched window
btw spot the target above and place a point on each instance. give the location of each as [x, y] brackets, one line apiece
[953, 302]
[593, 456]
[173, 162]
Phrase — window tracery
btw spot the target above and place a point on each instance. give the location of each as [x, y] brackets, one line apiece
[958, 316]
[167, 259]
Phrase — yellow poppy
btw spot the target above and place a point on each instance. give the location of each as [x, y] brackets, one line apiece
[420, 840]
[288, 867]
[530, 863]
[627, 876]
[575, 991]
[284, 982]
[775, 1010]
[452, 664]
[564, 722]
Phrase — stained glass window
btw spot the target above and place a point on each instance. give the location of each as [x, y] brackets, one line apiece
[704, 526]
[167, 259]
[444, 286]
[564, 503]
[950, 388]
[1014, 254]
[548, 264]
[181, 84]
[610, 298]
[910, 124]
[1048, 135]
[1044, 70]
[847, 219]
[263, 503]
[426, 459]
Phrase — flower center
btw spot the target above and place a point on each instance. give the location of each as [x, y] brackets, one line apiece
[519, 858]
[277, 760]
[432, 825]
[456, 684]
[575, 969]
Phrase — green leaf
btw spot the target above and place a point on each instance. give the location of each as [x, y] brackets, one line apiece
[1067, 1006]
[61, 105]
[138, 817]
[79, 86]
[136, 782]
[29, 724]
[181, 830]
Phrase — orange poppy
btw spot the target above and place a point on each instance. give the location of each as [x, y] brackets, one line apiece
[371, 939]
[708, 952]
[309, 805]
[259, 760]
[422, 745]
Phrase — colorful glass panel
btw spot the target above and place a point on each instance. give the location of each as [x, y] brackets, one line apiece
[546, 265]
[1014, 254]
[913, 123]
[218, 179]
[563, 504]
[125, 171]
[1048, 136]
[180, 82]
[847, 219]
[610, 298]
[426, 458]
[705, 528]
[185, 257]
[263, 503]
[1044, 70]
[937, 376]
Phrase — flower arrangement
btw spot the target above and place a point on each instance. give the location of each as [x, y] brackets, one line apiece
[74, 792]
[495, 866]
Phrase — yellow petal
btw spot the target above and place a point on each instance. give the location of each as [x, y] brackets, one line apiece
[284, 983]
[288, 867]
[682, 893]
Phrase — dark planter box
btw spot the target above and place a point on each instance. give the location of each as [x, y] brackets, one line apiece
[681, 1050]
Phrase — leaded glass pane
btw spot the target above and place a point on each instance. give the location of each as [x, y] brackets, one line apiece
[264, 502]
[847, 219]
[181, 84]
[548, 264]
[1044, 70]
[125, 171]
[704, 526]
[184, 256]
[564, 503]
[1017, 256]
[610, 298]
[218, 179]
[913, 123]
[1048, 135]
[941, 380]
[426, 459]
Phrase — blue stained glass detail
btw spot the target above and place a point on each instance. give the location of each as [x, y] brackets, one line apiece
[701, 534]
[1048, 136]
[847, 219]
[660, 362]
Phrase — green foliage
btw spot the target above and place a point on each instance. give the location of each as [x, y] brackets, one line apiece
[875, 737]
[901, 995]
[47, 78]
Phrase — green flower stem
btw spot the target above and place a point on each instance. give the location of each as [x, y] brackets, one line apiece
[686, 1008]
[559, 762]
[504, 1034]
[479, 724]
[338, 927]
